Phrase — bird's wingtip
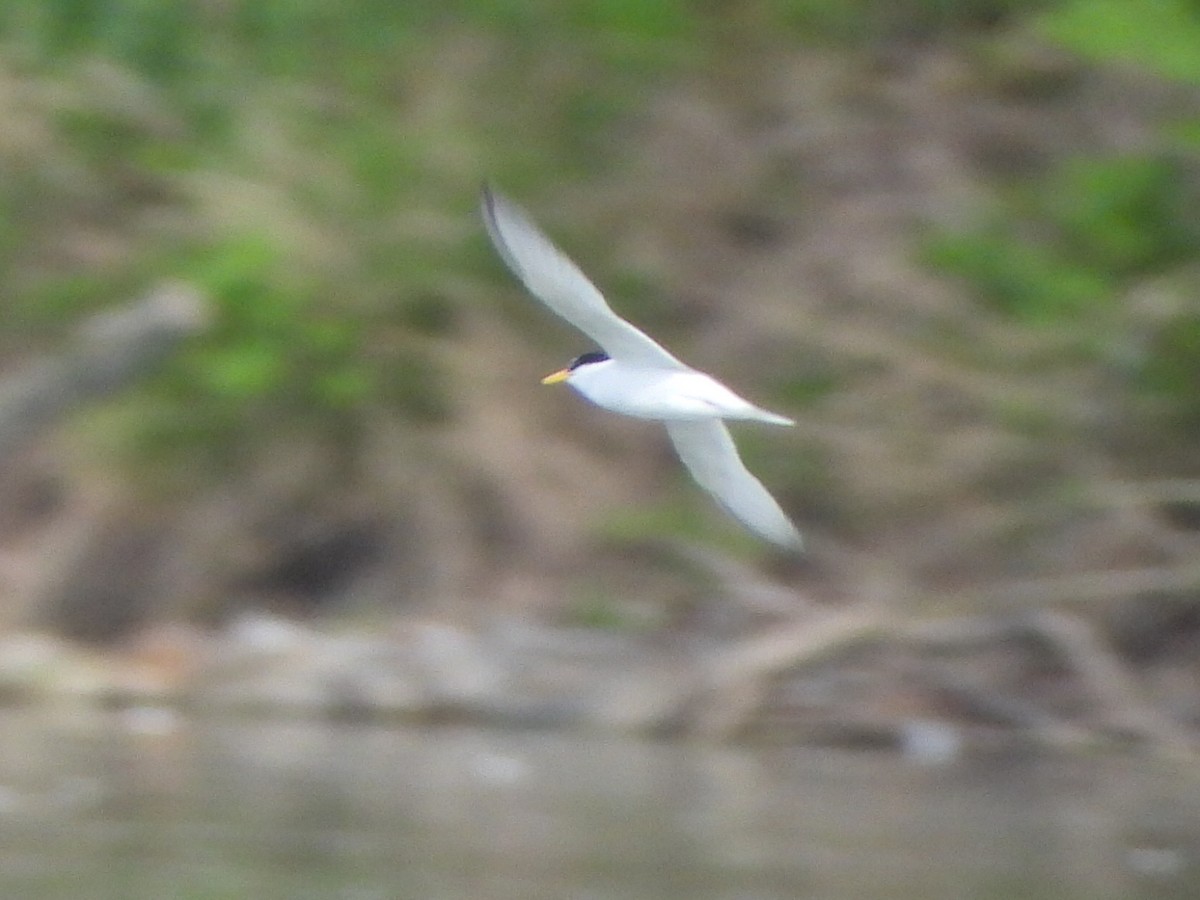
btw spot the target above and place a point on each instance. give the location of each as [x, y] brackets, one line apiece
[493, 207]
[487, 197]
[789, 540]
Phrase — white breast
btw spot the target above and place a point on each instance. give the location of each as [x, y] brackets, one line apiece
[660, 394]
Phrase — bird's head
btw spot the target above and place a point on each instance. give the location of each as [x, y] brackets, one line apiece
[579, 362]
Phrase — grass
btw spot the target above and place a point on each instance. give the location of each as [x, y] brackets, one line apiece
[303, 155]
[314, 167]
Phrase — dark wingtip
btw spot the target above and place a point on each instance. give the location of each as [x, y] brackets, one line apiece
[487, 211]
[488, 200]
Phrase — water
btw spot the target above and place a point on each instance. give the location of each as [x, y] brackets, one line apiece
[113, 806]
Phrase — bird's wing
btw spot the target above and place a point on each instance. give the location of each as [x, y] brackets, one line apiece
[556, 281]
[708, 451]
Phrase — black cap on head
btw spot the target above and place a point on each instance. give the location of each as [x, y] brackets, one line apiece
[584, 359]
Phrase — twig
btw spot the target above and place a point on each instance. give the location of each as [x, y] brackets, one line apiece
[1123, 708]
[737, 676]
[1085, 587]
[1146, 493]
[112, 350]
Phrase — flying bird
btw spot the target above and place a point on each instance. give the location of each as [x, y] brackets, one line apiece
[631, 374]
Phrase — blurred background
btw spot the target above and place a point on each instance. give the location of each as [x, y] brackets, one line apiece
[273, 439]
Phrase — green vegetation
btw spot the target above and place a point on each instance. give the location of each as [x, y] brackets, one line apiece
[1059, 251]
[1065, 250]
[314, 166]
[1171, 372]
[1162, 36]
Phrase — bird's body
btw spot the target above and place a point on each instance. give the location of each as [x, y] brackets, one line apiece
[636, 377]
[663, 394]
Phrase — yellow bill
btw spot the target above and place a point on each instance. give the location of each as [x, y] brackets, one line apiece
[556, 377]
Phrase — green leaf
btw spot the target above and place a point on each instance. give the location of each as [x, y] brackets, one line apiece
[1026, 281]
[242, 371]
[1162, 36]
[344, 388]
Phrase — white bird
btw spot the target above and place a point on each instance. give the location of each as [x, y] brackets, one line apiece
[633, 375]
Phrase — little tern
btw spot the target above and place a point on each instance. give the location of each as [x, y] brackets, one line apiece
[631, 374]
